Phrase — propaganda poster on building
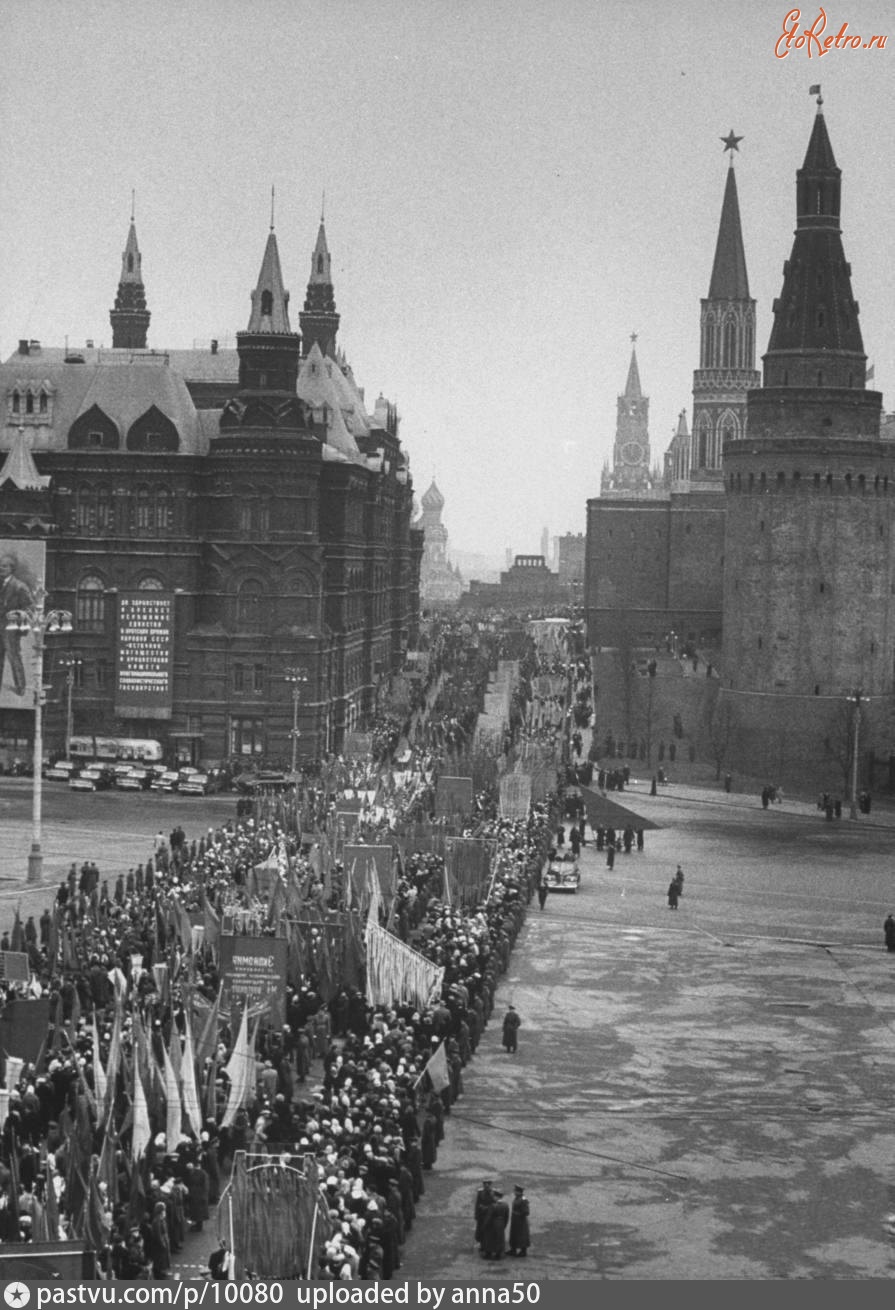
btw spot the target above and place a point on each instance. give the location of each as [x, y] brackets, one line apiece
[22, 572]
[145, 655]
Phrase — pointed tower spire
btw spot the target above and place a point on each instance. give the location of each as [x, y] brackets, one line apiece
[816, 338]
[319, 320]
[129, 316]
[632, 386]
[727, 345]
[269, 350]
[270, 301]
[729, 278]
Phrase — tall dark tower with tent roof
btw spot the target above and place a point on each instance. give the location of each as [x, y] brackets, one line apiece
[809, 571]
[319, 320]
[129, 316]
[726, 369]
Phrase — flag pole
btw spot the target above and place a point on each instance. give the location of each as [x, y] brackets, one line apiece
[311, 1266]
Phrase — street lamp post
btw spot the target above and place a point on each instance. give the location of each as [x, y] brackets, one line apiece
[38, 621]
[71, 664]
[853, 812]
[298, 677]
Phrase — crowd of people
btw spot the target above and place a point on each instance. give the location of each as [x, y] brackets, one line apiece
[130, 976]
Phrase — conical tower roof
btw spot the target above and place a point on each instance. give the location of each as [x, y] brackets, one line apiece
[129, 316]
[816, 336]
[131, 271]
[632, 386]
[321, 261]
[270, 300]
[433, 499]
[729, 278]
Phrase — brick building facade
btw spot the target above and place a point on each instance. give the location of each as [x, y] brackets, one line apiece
[250, 491]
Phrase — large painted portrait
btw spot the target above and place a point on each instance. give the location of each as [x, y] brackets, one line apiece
[22, 566]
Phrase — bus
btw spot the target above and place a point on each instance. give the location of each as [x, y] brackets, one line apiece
[112, 750]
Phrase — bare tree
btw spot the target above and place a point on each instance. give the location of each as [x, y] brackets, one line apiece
[839, 740]
[722, 728]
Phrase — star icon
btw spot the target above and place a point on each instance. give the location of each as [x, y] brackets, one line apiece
[16, 1294]
[731, 142]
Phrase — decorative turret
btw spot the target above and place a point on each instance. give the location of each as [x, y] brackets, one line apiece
[130, 317]
[727, 342]
[269, 356]
[319, 320]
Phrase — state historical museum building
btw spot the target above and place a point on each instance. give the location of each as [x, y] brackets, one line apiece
[230, 530]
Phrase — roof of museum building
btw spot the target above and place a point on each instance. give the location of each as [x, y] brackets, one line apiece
[125, 383]
[123, 390]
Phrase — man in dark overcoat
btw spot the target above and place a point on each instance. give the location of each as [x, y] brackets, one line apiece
[483, 1199]
[520, 1236]
[494, 1228]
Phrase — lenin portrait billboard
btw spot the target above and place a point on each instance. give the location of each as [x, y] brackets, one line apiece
[22, 566]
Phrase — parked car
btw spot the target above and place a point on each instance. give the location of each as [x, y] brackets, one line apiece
[196, 784]
[96, 777]
[136, 779]
[166, 782]
[563, 875]
[265, 780]
[61, 771]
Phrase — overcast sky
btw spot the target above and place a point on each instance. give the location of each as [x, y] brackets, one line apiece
[512, 188]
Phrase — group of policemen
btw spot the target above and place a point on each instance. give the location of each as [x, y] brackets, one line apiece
[492, 1217]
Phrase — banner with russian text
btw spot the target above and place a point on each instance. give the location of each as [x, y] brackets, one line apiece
[145, 654]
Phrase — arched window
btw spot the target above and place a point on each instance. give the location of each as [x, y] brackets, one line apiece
[42, 402]
[150, 583]
[727, 431]
[702, 444]
[16, 402]
[104, 510]
[709, 351]
[319, 263]
[90, 604]
[130, 263]
[730, 344]
[144, 510]
[249, 603]
[164, 510]
[266, 304]
[85, 509]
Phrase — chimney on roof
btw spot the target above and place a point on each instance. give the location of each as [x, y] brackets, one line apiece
[23, 346]
[90, 343]
[214, 345]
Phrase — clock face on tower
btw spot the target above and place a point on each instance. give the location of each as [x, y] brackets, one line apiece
[632, 452]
